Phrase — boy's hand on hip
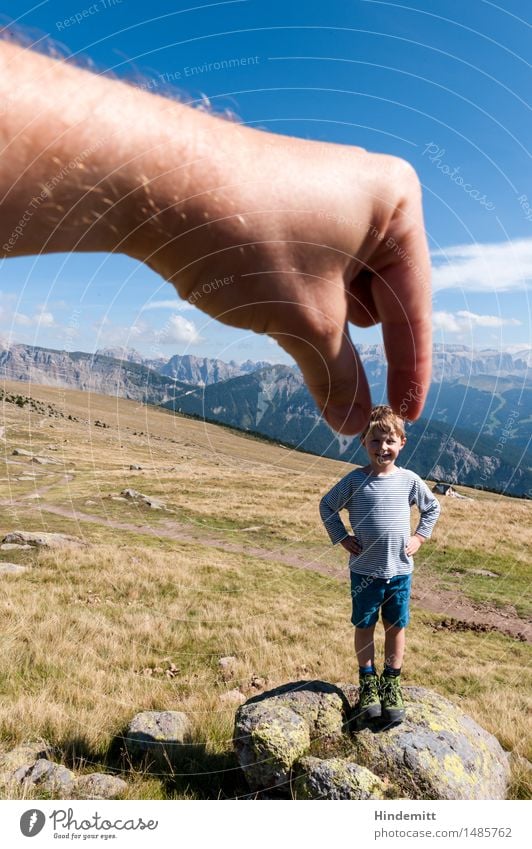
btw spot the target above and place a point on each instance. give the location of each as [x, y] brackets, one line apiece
[352, 545]
[413, 545]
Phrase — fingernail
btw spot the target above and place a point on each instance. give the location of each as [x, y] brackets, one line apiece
[345, 418]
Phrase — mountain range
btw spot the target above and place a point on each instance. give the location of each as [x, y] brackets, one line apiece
[475, 429]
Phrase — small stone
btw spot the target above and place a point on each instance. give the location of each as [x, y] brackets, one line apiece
[23, 754]
[227, 666]
[159, 734]
[485, 573]
[134, 468]
[36, 539]
[21, 452]
[12, 568]
[45, 774]
[98, 785]
[131, 493]
[233, 697]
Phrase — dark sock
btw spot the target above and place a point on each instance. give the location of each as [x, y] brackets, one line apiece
[393, 673]
[367, 670]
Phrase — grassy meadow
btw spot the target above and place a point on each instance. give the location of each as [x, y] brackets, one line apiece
[238, 564]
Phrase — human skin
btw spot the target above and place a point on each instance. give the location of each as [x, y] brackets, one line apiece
[394, 645]
[311, 235]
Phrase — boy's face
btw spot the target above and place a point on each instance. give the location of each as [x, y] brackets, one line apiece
[383, 447]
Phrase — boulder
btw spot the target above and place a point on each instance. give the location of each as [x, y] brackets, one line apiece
[98, 785]
[21, 452]
[38, 539]
[336, 778]
[46, 775]
[302, 740]
[160, 735]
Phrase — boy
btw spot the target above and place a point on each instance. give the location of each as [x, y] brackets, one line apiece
[378, 498]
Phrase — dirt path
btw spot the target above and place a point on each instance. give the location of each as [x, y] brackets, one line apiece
[461, 613]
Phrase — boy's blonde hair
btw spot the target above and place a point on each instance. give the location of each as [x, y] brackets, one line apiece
[385, 419]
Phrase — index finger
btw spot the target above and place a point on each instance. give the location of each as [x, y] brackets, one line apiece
[402, 294]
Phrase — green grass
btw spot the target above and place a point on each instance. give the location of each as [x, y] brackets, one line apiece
[453, 568]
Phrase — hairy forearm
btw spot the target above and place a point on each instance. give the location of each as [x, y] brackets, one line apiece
[84, 159]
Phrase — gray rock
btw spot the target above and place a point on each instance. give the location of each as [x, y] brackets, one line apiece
[21, 452]
[304, 734]
[12, 546]
[160, 735]
[485, 573]
[154, 503]
[11, 568]
[23, 754]
[46, 461]
[45, 774]
[336, 778]
[40, 539]
[131, 493]
[134, 468]
[269, 739]
[98, 785]
[438, 752]
[227, 666]
[233, 697]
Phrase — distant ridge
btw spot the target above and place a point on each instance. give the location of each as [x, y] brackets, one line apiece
[475, 430]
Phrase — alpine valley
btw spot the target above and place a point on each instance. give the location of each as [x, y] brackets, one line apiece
[475, 428]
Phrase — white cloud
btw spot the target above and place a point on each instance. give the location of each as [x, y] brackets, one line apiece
[173, 304]
[500, 267]
[42, 319]
[464, 320]
[178, 330]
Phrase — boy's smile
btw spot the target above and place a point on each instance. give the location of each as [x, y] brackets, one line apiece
[383, 449]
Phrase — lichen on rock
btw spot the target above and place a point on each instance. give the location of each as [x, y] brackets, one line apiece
[300, 740]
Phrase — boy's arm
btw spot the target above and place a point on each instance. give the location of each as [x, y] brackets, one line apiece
[429, 508]
[330, 505]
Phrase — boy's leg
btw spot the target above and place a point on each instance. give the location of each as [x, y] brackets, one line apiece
[369, 705]
[395, 617]
[394, 645]
[392, 704]
[366, 596]
[365, 647]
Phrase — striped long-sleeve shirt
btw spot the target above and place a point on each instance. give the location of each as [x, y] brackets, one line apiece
[379, 514]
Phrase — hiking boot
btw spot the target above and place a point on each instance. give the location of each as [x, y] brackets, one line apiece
[369, 706]
[392, 704]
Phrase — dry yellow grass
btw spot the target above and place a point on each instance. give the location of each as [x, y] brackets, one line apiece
[80, 628]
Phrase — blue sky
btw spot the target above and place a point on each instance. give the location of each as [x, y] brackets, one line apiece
[449, 93]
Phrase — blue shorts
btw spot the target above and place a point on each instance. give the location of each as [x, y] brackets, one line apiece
[369, 595]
